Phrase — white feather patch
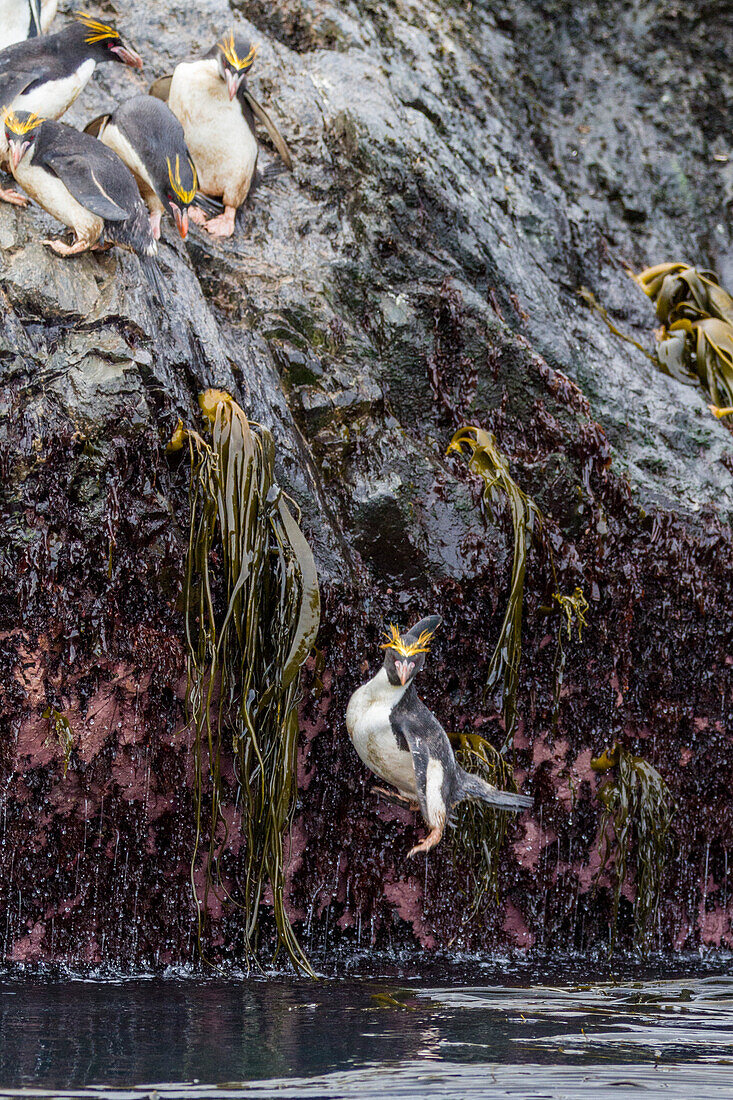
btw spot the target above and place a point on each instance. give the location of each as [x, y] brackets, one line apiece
[50, 193]
[223, 147]
[434, 794]
[15, 22]
[371, 733]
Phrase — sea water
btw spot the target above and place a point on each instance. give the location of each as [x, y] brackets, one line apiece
[493, 1029]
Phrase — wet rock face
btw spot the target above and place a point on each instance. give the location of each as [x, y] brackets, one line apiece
[460, 172]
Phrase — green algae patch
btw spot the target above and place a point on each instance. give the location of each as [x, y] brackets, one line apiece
[486, 460]
[252, 611]
[637, 813]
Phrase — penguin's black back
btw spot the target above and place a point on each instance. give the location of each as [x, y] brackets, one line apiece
[37, 60]
[98, 180]
[156, 135]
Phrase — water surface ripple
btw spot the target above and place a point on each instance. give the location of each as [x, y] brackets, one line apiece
[366, 1038]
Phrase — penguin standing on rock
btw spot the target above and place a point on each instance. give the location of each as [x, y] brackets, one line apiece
[217, 111]
[402, 742]
[21, 19]
[148, 138]
[79, 181]
[43, 76]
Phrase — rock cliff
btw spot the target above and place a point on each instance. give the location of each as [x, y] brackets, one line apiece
[461, 171]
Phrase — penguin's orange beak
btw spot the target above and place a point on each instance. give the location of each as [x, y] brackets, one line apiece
[233, 82]
[127, 55]
[17, 149]
[404, 670]
[181, 219]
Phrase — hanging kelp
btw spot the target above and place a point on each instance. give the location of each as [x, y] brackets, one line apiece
[479, 831]
[574, 609]
[486, 460]
[695, 342]
[637, 805]
[252, 612]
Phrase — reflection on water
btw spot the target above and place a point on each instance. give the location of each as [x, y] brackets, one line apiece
[369, 1038]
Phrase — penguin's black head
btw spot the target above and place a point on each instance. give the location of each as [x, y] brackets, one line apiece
[180, 190]
[234, 56]
[404, 654]
[21, 131]
[104, 43]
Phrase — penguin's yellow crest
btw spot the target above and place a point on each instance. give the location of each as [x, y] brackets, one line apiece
[98, 31]
[230, 53]
[20, 126]
[394, 641]
[175, 178]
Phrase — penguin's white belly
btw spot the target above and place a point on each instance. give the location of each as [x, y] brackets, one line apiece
[48, 11]
[223, 147]
[15, 22]
[52, 99]
[50, 193]
[374, 740]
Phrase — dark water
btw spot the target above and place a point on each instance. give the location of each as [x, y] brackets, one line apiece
[481, 1030]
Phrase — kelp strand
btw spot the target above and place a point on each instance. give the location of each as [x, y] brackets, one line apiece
[480, 831]
[250, 624]
[638, 810]
[696, 338]
[574, 609]
[695, 341]
[486, 460]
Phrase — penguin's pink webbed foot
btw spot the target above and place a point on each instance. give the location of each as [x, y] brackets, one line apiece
[196, 215]
[155, 224]
[394, 796]
[13, 197]
[434, 837]
[223, 224]
[61, 248]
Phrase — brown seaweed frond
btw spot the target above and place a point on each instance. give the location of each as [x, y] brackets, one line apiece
[486, 460]
[251, 621]
[636, 818]
[480, 830]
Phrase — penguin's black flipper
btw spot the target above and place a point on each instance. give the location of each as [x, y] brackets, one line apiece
[96, 126]
[77, 174]
[13, 82]
[277, 139]
[211, 207]
[35, 27]
[415, 726]
[418, 729]
[161, 88]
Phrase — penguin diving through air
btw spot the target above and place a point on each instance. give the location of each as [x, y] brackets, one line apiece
[21, 19]
[79, 181]
[211, 100]
[403, 743]
[148, 138]
[44, 76]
